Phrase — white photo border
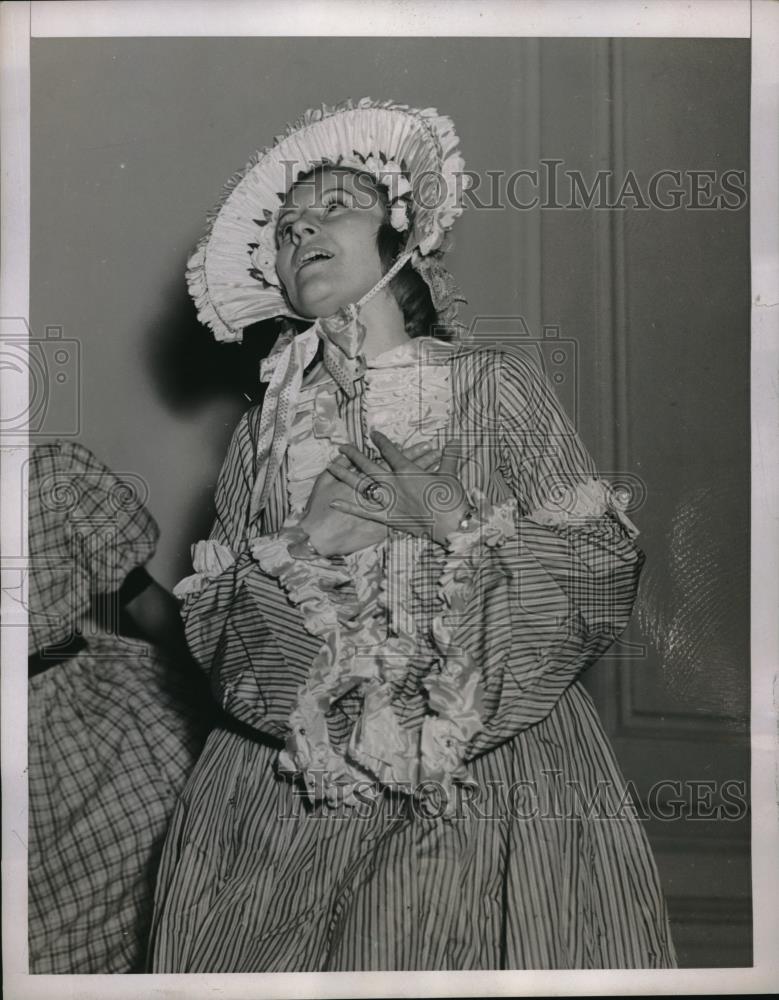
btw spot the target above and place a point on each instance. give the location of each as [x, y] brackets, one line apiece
[758, 20]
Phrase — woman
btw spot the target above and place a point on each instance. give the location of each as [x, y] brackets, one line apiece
[117, 715]
[412, 562]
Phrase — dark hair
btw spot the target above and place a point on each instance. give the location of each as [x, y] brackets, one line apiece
[409, 288]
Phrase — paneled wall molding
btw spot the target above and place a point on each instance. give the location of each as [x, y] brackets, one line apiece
[727, 910]
[531, 111]
[612, 355]
[634, 720]
[608, 348]
[702, 844]
[705, 927]
[625, 303]
[610, 344]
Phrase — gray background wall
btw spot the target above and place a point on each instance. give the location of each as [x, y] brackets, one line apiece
[131, 141]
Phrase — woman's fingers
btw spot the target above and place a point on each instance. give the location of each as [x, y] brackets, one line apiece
[390, 452]
[393, 457]
[360, 460]
[359, 480]
[354, 468]
[418, 451]
[429, 461]
[346, 507]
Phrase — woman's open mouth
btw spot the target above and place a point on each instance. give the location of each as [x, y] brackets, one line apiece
[316, 255]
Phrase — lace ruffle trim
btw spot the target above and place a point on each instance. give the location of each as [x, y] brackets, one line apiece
[582, 506]
[209, 560]
[400, 400]
[455, 693]
[338, 604]
[356, 650]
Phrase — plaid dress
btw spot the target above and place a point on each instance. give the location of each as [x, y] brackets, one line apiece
[111, 736]
[532, 858]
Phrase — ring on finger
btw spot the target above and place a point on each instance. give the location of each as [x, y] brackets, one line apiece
[372, 491]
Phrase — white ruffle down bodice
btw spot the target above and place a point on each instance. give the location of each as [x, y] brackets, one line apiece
[404, 399]
[370, 641]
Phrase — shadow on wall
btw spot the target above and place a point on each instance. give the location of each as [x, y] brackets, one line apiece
[188, 368]
[191, 372]
[194, 376]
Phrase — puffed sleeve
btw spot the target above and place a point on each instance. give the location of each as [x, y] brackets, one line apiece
[221, 561]
[534, 589]
[237, 620]
[88, 529]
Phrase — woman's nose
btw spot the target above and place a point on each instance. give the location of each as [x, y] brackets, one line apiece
[304, 226]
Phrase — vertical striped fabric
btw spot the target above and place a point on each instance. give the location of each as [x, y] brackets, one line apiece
[542, 863]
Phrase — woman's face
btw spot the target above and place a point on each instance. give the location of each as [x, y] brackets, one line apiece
[326, 237]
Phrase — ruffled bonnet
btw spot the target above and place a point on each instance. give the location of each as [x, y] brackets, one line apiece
[232, 273]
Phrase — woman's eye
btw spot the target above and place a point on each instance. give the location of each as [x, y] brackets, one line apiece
[328, 206]
[284, 231]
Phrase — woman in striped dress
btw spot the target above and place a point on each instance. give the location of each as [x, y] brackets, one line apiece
[413, 560]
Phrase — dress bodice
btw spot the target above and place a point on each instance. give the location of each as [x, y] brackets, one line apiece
[404, 397]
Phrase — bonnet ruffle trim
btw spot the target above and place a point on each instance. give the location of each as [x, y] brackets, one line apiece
[231, 273]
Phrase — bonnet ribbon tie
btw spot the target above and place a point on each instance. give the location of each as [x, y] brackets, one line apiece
[343, 336]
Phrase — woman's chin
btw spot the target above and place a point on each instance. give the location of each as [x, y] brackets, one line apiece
[323, 307]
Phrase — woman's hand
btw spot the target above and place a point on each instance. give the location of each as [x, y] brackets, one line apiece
[334, 531]
[410, 496]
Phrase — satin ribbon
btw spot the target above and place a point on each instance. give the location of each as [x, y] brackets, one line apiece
[343, 336]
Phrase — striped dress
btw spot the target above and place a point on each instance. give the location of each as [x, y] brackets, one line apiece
[414, 777]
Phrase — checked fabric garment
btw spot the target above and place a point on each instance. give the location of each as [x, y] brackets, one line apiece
[112, 733]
